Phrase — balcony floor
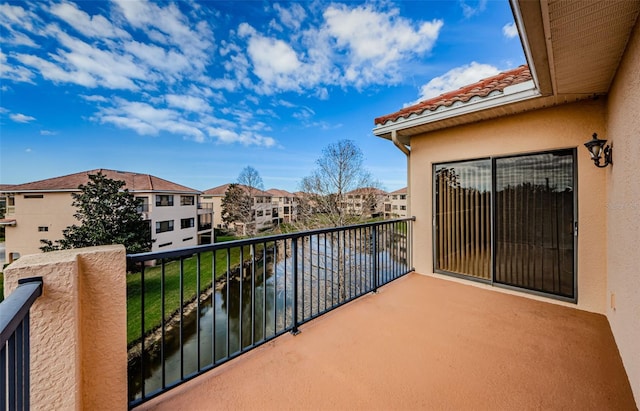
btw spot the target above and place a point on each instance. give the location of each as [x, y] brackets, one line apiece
[425, 343]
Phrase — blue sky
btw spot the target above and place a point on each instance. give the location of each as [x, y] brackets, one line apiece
[193, 92]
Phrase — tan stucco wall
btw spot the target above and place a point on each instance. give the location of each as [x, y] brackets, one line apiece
[54, 211]
[554, 128]
[623, 211]
[78, 328]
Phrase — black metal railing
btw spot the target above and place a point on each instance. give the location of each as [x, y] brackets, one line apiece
[191, 310]
[14, 342]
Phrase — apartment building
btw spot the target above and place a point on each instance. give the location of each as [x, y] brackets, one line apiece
[284, 206]
[367, 201]
[395, 205]
[261, 207]
[41, 210]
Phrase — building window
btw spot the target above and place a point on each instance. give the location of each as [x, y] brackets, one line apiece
[187, 239]
[187, 200]
[508, 220]
[33, 196]
[259, 213]
[187, 223]
[11, 201]
[403, 196]
[164, 245]
[164, 200]
[143, 204]
[164, 226]
[43, 228]
[403, 207]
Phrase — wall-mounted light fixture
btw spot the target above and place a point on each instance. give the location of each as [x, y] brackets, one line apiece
[596, 148]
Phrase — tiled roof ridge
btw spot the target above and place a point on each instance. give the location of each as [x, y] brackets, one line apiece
[280, 192]
[399, 191]
[73, 180]
[367, 190]
[481, 88]
[221, 189]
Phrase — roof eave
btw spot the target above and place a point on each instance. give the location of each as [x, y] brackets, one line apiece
[403, 126]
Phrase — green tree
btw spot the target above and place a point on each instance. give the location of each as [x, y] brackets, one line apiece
[108, 215]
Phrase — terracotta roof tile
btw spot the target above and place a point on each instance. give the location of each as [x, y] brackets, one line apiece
[367, 190]
[221, 190]
[401, 191]
[481, 88]
[279, 193]
[133, 182]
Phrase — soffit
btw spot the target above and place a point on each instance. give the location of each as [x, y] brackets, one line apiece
[585, 42]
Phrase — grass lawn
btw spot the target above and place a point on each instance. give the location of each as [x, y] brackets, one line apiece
[153, 282]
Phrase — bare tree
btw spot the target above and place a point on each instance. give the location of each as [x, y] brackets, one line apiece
[250, 182]
[339, 171]
[250, 178]
[325, 202]
[237, 206]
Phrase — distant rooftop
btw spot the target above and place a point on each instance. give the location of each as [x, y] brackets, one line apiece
[221, 190]
[367, 190]
[279, 193]
[401, 191]
[133, 182]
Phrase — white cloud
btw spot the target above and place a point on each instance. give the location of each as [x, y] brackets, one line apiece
[456, 78]
[510, 30]
[352, 46]
[471, 8]
[21, 118]
[14, 73]
[291, 17]
[146, 119]
[96, 26]
[245, 138]
[189, 103]
[274, 62]
[94, 98]
[376, 42]
[370, 35]
[48, 133]
[168, 25]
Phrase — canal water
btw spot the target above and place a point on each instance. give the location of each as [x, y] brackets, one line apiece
[265, 312]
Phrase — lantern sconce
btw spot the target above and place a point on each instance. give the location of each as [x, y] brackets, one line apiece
[597, 148]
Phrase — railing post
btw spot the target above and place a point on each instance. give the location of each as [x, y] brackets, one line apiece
[374, 246]
[294, 250]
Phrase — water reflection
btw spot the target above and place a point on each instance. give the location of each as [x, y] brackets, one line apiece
[247, 312]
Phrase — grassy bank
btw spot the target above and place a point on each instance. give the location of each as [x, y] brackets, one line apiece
[153, 284]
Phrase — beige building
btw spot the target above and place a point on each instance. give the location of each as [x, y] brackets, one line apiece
[367, 201]
[395, 204]
[505, 193]
[284, 204]
[43, 209]
[262, 210]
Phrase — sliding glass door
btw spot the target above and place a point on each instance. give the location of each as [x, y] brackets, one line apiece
[463, 218]
[508, 220]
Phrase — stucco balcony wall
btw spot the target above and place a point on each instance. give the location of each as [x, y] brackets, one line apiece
[78, 328]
